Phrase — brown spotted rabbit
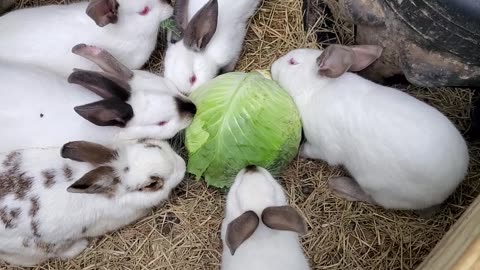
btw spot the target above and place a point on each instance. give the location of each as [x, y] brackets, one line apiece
[49, 205]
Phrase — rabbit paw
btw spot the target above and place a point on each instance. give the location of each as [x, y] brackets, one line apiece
[348, 189]
[306, 150]
[74, 250]
[429, 212]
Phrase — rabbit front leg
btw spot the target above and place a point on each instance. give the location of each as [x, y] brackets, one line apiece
[347, 188]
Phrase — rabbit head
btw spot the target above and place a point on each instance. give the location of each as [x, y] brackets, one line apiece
[187, 69]
[254, 198]
[145, 104]
[186, 63]
[137, 172]
[151, 12]
[295, 70]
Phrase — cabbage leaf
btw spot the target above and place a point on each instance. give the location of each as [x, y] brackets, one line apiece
[242, 119]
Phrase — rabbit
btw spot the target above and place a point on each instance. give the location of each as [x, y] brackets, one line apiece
[400, 152]
[44, 35]
[209, 42]
[43, 109]
[6, 6]
[260, 231]
[53, 199]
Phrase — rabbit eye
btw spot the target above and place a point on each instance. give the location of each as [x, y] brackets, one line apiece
[193, 79]
[162, 123]
[145, 11]
[155, 184]
[292, 61]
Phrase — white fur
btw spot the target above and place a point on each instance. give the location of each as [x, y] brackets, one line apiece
[32, 91]
[225, 46]
[44, 36]
[404, 153]
[62, 216]
[266, 248]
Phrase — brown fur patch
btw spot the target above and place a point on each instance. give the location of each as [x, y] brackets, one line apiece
[68, 173]
[48, 178]
[9, 217]
[26, 242]
[34, 225]
[143, 140]
[34, 207]
[44, 246]
[12, 179]
[15, 213]
[11, 159]
[151, 145]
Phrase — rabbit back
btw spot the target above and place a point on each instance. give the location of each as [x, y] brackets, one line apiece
[398, 148]
[38, 110]
[45, 36]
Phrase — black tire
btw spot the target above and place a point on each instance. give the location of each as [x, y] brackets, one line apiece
[446, 25]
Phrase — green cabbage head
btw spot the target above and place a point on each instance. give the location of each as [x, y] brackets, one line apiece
[242, 119]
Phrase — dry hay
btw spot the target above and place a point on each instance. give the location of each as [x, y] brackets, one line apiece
[184, 233]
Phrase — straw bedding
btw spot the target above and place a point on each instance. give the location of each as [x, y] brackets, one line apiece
[184, 232]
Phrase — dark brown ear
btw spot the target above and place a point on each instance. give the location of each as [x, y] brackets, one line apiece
[180, 14]
[240, 229]
[101, 84]
[106, 61]
[202, 27]
[284, 218]
[93, 153]
[100, 180]
[365, 55]
[103, 12]
[335, 60]
[6, 6]
[108, 112]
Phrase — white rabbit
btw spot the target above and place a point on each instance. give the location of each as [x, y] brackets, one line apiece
[260, 231]
[49, 205]
[212, 37]
[400, 152]
[45, 35]
[42, 109]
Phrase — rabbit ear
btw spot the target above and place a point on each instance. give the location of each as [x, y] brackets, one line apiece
[365, 55]
[180, 14]
[101, 84]
[108, 112]
[101, 180]
[201, 28]
[338, 59]
[240, 229]
[284, 218]
[6, 6]
[103, 12]
[106, 61]
[335, 60]
[92, 153]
